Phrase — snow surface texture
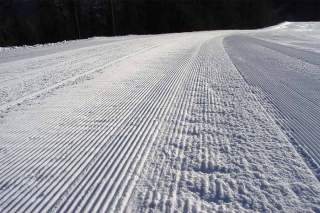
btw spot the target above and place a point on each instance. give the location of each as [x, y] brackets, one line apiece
[154, 123]
[290, 78]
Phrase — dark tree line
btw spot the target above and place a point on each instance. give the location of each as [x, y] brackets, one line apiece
[42, 21]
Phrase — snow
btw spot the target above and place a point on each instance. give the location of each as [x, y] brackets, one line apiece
[301, 35]
[21, 52]
[152, 123]
[289, 77]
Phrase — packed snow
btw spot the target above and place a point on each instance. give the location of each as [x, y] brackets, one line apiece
[220, 121]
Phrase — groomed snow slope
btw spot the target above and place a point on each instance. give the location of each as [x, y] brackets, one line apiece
[155, 123]
[287, 70]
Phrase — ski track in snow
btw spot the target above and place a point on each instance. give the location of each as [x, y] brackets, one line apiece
[290, 81]
[220, 151]
[147, 124]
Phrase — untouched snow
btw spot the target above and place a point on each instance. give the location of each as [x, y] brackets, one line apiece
[158, 123]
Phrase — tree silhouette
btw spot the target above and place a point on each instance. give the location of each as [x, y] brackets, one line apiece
[41, 21]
